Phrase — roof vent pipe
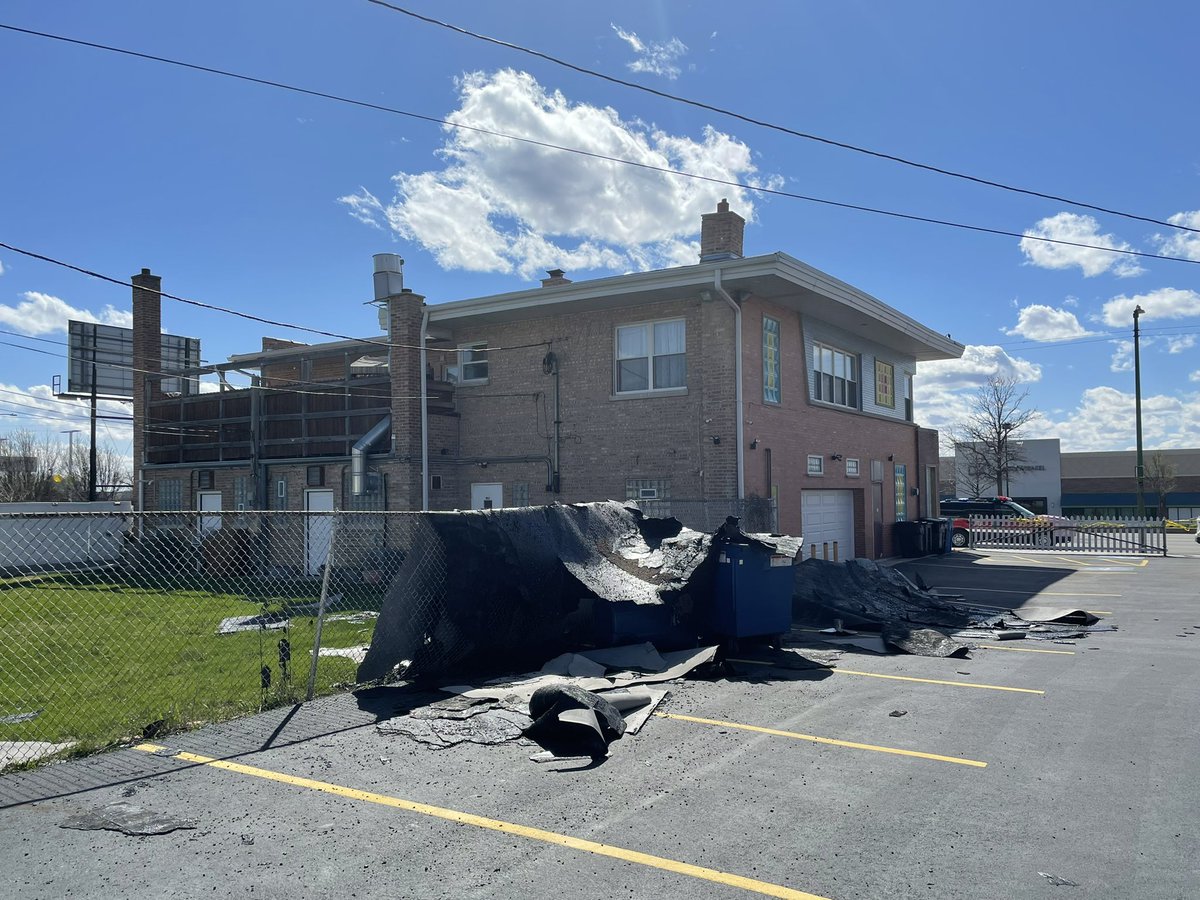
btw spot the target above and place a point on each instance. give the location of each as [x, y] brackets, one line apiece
[389, 275]
[358, 455]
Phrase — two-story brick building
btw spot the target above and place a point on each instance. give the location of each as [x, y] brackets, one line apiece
[735, 378]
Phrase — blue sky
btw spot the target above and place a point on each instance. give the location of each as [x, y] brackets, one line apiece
[267, 201]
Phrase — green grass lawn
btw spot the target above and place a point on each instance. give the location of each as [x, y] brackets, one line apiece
[103, 660]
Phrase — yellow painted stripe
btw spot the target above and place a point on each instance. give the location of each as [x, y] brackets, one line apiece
[983, 590]
[1077, 562]
[537, 834]
[986, 687]
[822, 740]
[1028, 650]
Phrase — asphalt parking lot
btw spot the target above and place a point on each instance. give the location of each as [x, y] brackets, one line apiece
[1011, 774]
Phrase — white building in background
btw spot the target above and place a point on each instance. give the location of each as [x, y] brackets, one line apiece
[1094, 483]
[1035, 482]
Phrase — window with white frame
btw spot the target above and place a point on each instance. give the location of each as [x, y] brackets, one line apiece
[852, 468]
[907, 381]
[816, 465]
[651, 356]
[835, 376]
[473, 363]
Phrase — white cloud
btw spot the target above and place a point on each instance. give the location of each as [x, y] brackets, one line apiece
[1122, 358]
[944, 388]
[1181, 343]
[365, 207]
[37, 409]
[1195, 376]
[504, 206]
[1164, 303]
[654, 58]
[1078, 229]
[1104, 420]
[1045, 323]
[1071, 301]
[1, 268]
[1182, 243]
[41, 313]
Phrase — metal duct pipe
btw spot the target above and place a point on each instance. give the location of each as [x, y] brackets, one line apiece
[358, 455]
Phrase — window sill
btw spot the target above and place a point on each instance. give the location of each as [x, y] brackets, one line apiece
[644, 395]
[474, 382]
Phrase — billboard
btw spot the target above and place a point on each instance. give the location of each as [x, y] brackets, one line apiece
[110, 349]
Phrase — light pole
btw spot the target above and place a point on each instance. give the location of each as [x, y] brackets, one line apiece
[71, 460]
[1137, 406]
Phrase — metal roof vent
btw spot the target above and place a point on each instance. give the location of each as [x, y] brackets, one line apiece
[389, 275]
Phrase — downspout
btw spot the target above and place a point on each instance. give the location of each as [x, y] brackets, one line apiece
[424, 415]
[358, 455]
[737, 374]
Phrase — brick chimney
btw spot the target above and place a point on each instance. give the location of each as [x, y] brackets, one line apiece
[147, 357]
[557, 276]
[721, 234]
[405, 310]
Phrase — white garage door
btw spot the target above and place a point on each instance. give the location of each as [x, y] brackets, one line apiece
[828, 519]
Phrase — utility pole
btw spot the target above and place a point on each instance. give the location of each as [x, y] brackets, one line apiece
[92, 450]
[1137, 401]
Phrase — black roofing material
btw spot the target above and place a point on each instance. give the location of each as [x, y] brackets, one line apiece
[569, 721]
[127, 819]
[860, 592]
[505, 589]
[923, 642]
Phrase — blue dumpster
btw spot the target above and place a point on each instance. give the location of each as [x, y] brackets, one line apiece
[753, 596]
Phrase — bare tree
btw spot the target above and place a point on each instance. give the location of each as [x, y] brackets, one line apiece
[1160, 478]
[39, 468]
[988, 442]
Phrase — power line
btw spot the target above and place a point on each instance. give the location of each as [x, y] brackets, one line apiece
[720, 110]
[245, 315]
[666, 170]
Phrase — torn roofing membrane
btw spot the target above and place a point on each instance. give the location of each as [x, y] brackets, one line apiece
[504, 589]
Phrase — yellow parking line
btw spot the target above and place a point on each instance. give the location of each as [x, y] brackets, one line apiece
[1078, 562]
[525, 831]
[983, 590]
[969, 684]
[1027, 649]
[1124, 562]
[822, 740]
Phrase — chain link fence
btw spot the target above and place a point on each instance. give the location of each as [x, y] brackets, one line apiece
[756, 515]
[125, 626]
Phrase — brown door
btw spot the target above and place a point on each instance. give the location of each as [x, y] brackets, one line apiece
[877, 515]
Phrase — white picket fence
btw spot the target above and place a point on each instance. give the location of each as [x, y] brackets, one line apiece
[1111, 537]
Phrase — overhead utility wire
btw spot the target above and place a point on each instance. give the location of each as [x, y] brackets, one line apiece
[245, 315]
[334, 387]
[580, 152]
[720, 110]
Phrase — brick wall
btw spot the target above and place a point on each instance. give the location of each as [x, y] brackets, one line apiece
[797, 427]
[605, 441]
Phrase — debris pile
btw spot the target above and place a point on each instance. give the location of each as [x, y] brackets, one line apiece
[863, 604]
[504, 588]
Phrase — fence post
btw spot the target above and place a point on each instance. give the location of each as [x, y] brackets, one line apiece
[316, 650]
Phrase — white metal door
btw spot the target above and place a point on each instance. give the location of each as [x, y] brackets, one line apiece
[487, 496]
[318, 530]
[208, 502]
[828, 518]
